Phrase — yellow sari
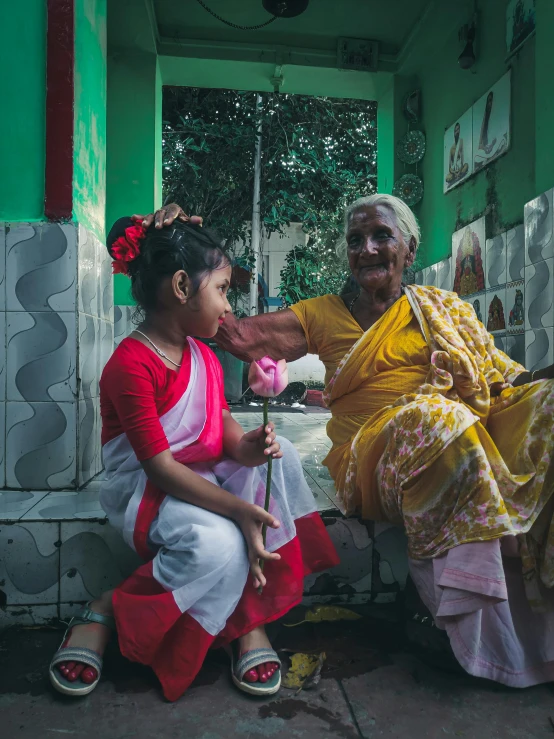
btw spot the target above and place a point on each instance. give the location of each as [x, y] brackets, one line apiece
[417, 438]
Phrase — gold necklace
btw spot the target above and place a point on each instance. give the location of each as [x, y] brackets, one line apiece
[157, 348]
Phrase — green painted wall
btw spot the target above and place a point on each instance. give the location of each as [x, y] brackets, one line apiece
[391, 126]
[238, 75]
[544, 102]
[447, 92]
[22, 121]
[89, 175]
[134, 142]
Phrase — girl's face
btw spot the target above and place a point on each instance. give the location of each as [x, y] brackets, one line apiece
[203, 313]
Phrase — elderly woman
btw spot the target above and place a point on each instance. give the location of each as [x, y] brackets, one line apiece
[435, 430]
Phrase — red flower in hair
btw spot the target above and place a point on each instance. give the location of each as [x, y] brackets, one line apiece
[127, 248]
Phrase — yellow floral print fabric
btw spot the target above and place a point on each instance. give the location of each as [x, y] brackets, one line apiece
[443, 458]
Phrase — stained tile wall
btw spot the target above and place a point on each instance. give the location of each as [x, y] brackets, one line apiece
[517, 305]
[56, 329]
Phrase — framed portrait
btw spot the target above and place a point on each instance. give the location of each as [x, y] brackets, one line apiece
[458, 152]
[520, 23]
[491, 124]
[468, 257]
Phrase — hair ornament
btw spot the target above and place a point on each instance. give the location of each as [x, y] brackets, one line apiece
[126, 248]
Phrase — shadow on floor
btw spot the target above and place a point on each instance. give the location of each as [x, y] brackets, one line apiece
[374, 685]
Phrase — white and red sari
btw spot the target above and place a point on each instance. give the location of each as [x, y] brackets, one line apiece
[194, 591]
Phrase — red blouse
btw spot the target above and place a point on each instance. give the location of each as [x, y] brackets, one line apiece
[137, 388]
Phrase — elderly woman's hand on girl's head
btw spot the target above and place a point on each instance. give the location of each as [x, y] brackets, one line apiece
[166, 215]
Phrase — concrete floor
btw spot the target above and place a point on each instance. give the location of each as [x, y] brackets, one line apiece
[373, 686]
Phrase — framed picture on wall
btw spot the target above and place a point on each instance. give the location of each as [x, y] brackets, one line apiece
[468, 256]
[458, 152]
[520, 23]
[491, 124]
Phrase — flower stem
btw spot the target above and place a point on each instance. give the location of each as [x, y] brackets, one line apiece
[267, 487]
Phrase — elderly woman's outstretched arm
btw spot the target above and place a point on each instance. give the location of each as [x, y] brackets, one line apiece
[279, 335]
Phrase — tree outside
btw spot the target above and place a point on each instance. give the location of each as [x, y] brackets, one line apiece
[318, 154]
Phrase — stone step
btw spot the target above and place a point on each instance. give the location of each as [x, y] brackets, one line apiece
[58, 550]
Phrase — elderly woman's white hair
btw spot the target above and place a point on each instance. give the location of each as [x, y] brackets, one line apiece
[405, 218]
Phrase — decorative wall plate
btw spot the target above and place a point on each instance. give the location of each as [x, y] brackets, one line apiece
[409, 188]
[411, 148]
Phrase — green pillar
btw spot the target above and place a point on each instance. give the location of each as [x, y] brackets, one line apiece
[134, 149]
[22, 123]
[391, 126]
[544, 96]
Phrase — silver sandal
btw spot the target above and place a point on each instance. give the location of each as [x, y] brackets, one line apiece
[79, 654]
[249, 660]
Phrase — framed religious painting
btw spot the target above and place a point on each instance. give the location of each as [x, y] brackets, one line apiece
[491, 124]
[468, 257]
[520, 23]
[458, 152]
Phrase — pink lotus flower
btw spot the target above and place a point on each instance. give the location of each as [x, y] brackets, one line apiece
[267, 377]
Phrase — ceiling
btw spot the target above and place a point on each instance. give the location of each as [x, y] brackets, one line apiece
[389, 21]
[408, 31]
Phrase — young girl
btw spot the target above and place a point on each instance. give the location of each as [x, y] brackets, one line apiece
[185, 486]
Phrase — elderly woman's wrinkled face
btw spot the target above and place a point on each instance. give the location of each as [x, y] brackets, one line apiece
[377, 252]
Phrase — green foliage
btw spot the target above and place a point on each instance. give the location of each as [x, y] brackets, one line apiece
[318, 155]
[307, 275]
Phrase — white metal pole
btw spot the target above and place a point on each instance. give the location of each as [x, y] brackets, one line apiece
[255, 241]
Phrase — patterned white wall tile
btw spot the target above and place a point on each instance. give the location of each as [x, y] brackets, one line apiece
[495, 260]
[42, 348]
[444, 274]
[41, 267]
[539, 348]
[390, 560]
[89, 351]
[89, 435]
[3, 360]
[2, 446]
[28, 616]
[29, 567]
[67, 505]
[105, 284]
[538, 221]
[431, 275]
[40, 445]
[88, 273]
[469, 258]
[93, 558]
[123, 322]
[515, 306]
[495, 310]
[2, 266]
[478, 302]
[351, 580]
[515, 248]
[500, 342]
[539, 294]
[14, 504]
[106, 344]
[515, 348]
